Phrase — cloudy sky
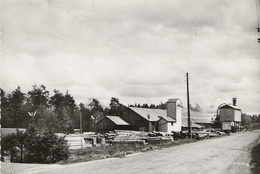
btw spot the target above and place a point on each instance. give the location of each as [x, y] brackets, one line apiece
[138, 51]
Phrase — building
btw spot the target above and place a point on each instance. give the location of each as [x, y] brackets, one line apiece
[162, 120]
[110, 123]
[148, 120]
[199, 120]
[6, 131]
[230, 117]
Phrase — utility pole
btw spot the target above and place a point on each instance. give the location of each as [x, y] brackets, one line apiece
[81, 131]
[188, 103]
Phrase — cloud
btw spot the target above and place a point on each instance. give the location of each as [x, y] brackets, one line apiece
[138, 51]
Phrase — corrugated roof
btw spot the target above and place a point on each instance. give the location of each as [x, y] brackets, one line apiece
[150, 114]
[184, 123]
[154, 114]
[117, 120]
[199, 117]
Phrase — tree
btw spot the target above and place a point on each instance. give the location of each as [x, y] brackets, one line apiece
[39, 96]
[64, 106]
[8, 147]
[114, 106]
[245, 119]
[6, 120]
[31, 147]
[86, 117]
[14, 113]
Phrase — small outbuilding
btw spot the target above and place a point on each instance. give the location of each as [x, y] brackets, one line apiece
[230, 117]
[111, 123]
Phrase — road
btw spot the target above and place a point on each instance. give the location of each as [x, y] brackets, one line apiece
[228, 154]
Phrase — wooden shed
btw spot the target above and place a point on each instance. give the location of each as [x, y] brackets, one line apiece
[111, 123]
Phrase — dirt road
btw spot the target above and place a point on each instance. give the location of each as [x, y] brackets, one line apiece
[229, 154]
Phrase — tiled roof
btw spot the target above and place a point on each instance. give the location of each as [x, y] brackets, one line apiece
[117, 120]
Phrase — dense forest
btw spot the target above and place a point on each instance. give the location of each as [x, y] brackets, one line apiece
[60, 113]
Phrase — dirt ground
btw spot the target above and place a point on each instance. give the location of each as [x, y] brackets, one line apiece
[229, 154]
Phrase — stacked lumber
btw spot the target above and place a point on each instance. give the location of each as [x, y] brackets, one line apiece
[130, 137]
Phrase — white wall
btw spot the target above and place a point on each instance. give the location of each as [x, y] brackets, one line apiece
[174, 111]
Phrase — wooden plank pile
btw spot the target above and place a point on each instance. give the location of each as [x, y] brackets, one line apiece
[140, 138]
[127, 137]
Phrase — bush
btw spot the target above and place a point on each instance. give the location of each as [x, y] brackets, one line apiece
[255, 161]
[31, 147]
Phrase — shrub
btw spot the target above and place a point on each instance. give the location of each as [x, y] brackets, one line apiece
[255, 161]
[31, 147]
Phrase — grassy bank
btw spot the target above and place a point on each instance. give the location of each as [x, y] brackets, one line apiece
[116, 151]
[255, 161]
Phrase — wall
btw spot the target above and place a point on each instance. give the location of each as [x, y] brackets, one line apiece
[226, 114]
[177, 125]
[237, 116]
[226, 125]
[162, 126]
[174, 111]
[135, 120]
[104, 126]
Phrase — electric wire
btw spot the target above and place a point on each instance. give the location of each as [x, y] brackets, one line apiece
[257, 3]
[94, 29]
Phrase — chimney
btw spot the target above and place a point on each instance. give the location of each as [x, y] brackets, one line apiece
[234, 101]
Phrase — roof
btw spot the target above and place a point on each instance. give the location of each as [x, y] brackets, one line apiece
[173, 100]
[6, 131]
[150, 114]
[184, 123]
[199, 117]
[168, 119]
[156, 114]
[117, 120]
[230, 106]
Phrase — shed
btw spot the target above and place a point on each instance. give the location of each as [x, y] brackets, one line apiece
[230, 116]
[110, 123]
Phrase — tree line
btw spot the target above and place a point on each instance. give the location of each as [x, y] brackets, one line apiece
[57, 112]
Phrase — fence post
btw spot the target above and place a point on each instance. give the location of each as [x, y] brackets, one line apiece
[103, 142]
[94, 142]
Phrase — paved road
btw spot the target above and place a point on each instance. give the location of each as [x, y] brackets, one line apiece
[230, 154]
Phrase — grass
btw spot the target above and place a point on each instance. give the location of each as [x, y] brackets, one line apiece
[116, 151]
[255, 161]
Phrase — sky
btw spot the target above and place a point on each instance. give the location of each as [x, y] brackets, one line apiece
[138, 51]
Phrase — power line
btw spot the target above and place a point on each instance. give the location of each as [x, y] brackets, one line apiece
[96, 30]
[257, 3]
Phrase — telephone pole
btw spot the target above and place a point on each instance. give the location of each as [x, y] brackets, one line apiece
[80, 119]
[188, 104]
